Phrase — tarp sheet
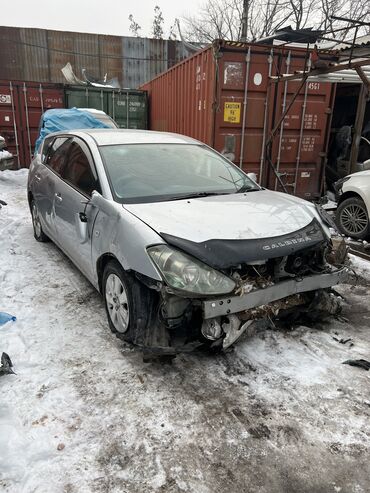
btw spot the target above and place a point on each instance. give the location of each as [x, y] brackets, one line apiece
[57, 120]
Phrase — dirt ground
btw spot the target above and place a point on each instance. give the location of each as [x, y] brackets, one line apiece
[278, 413]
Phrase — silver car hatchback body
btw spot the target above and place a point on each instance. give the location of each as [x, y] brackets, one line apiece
[185, 248]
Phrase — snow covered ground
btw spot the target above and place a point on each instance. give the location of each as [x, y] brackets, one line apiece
[279, 413]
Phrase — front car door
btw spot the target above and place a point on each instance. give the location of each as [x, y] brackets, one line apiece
[78, 180]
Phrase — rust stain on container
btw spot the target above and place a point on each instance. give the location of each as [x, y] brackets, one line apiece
[203, 97]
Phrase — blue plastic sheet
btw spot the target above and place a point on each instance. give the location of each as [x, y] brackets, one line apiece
[6, 317]
[57, 120]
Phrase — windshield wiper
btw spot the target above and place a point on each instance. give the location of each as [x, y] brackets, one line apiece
[246, 188]
[195, 195]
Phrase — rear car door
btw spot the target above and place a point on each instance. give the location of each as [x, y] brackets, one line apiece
[79, 180]
[46, 178]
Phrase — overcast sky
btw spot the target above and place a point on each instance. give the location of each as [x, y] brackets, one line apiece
[93, 16]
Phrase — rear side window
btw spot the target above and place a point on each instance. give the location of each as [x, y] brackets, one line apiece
[57, 154]
[78, 172]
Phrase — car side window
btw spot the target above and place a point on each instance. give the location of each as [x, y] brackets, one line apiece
[78, 171]
[46, 148]
[57, 153]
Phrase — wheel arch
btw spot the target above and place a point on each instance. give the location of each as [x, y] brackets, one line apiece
[100, 266]
[348, 195]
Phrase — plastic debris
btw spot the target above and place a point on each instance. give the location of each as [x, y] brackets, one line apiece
[6, 317]
[360, 363]
[6, 365]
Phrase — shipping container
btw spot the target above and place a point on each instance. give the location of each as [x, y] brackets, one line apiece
[224, 96]
[21, 106]
[31, 54]
[127, 107]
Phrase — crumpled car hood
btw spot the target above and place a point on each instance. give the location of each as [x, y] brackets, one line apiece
[260, 214]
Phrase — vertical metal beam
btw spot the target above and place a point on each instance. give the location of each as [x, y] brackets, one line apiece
[265, 116]
[27, 120]
[245, 102]
[14, 123]
[304, 105]
[282, 123]
[359, 121]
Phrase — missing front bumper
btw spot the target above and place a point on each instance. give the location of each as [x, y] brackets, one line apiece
[236, 304]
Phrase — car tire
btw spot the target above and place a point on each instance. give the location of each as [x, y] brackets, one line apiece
[129, 304]
[352, 218]
[38, 232]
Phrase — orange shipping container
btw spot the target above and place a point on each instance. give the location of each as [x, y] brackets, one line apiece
[224, 97]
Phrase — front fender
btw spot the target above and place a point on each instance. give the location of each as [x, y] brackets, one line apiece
[121, 234]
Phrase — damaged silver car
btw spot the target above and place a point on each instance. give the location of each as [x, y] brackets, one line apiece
[185, 248]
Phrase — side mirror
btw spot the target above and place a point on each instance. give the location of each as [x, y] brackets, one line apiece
[252, 176]
[108, 207]
[366, 164]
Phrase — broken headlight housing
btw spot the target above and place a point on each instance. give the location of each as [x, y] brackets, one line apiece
[185, 273]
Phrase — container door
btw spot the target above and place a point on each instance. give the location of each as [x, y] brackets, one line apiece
[86, 98]
[300, 145]
[34, 100]
[128, 109]
[10, 120]
[244, 86]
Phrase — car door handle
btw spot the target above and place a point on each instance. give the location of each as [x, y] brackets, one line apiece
[37, 177]
[58, 197]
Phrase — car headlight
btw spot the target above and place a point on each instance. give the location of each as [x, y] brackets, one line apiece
[185, 273]
[339, 184]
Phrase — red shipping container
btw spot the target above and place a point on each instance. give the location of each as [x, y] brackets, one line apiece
[224, 97]
[21, 106]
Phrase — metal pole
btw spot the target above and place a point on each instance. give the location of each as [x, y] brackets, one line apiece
[304, 105]
[114, 109]
[41, 99]
[14, 123]
[245, 102]
[27, 120]
[127, 108]
[270, 60]
[282, 123]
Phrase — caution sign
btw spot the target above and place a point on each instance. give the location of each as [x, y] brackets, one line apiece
[232, 112]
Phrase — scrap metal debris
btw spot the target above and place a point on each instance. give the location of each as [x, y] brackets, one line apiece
[344, 341]
[360, 363]
[6, 365]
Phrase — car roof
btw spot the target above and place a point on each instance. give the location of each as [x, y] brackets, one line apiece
[113, 136]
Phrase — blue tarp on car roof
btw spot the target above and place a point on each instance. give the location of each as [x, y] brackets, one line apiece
[57, 120]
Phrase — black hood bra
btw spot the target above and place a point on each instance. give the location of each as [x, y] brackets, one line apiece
[223, 254]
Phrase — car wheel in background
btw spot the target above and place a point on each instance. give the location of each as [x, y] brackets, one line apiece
[36, 223]
[352, 218]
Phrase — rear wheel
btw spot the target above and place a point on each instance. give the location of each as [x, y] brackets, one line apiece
[130, 306]
[352, 218]
[36, 223]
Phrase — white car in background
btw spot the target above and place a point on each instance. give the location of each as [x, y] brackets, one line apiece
[353, 197]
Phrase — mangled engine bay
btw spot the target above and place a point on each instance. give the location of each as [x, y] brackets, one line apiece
[274, 279]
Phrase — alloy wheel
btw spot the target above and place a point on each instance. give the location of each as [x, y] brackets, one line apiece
[36, 220]
[354, 219]
[117, 303]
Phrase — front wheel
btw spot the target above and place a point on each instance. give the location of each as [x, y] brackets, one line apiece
[352, 218]
[38, 232]
[131, 307]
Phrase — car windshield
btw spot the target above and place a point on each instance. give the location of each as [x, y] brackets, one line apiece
[160, 172]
